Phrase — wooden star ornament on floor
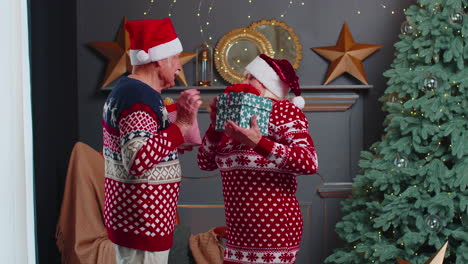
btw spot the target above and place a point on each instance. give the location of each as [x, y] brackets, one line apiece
[346, 56]
[184, 57]
[117, 55]
[437, 258]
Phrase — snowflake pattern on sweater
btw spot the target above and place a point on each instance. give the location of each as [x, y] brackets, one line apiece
[263, 217]
[142, 167]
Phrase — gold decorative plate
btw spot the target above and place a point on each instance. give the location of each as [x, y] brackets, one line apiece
[285, 42]
[238, 48]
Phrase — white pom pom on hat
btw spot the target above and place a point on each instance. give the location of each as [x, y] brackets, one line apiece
[143, 57]
[298, 101]
[278, 76]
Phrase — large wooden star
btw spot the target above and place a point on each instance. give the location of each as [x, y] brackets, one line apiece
[117, 55]
[184, 57]
[346, 56]
[437, 258]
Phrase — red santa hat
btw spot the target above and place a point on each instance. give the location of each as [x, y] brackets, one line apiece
[278, 76]
[152, 40]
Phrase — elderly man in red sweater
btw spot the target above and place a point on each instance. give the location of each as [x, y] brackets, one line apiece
[140, 146]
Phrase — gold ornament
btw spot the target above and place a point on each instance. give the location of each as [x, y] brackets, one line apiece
[117, 55]
[437, 258]
[184, 57]
[346, 56]
[168, 101]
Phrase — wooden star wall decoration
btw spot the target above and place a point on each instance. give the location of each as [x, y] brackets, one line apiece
[117, 55]
[184, 57]
[437, 258]
[346, 56]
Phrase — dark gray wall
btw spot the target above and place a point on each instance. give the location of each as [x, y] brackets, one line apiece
[317, 23]
[66, 75]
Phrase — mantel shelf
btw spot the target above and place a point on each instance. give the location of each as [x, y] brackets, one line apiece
[318, 98]
[303, 88]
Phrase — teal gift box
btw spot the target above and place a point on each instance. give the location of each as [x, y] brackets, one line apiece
[240, 107]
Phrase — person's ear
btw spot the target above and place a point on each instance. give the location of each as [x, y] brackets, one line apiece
[156, 64]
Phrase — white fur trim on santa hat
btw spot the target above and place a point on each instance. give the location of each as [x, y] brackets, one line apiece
[160, 52]
[298, 101]
[262, 71]
[142, 57]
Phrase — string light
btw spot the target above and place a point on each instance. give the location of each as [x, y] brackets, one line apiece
[148, 10]
[204, 24]
[385, 6]
[171, 6]
[249, 16]
[283, 14]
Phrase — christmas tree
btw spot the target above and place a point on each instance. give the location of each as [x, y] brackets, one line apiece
[411, 195]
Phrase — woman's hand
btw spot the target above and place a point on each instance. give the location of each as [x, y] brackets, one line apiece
[248, 136]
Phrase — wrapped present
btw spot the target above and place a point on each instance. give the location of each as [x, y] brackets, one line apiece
[240, 107]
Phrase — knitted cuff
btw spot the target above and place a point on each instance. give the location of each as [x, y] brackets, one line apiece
[264, 147]
[174, 135]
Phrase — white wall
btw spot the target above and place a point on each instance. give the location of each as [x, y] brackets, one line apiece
[17, 238]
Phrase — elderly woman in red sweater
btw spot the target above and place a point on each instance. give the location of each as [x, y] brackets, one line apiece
[263, 217]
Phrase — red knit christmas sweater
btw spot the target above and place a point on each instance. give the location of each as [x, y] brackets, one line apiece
[263, 217]
[142, 167]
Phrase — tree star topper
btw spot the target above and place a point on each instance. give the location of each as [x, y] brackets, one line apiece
[346, 56]
[117, 55]
[437, 258]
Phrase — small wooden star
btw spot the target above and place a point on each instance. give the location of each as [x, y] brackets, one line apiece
[346, 56]
[117, 55]
[184, 57]
[437, 258]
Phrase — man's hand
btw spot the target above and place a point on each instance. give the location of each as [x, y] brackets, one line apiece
[248, 136]
[188, 103]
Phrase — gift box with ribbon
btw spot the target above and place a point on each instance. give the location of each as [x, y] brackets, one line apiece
[240, 107]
